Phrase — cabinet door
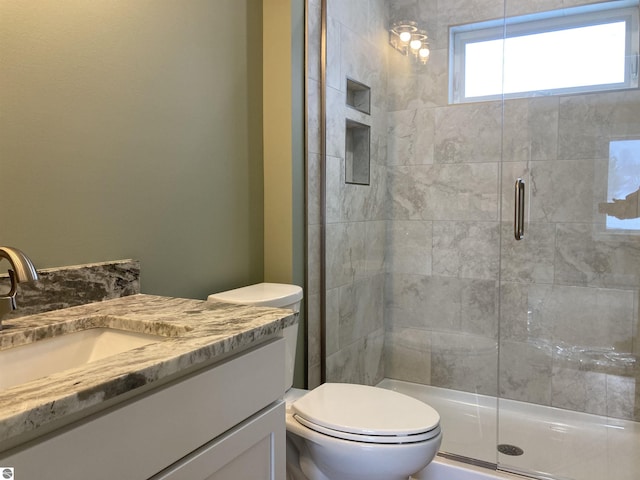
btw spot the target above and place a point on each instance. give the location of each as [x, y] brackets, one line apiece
[254, 450]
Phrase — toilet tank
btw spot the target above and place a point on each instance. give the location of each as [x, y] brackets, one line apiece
[277, 295]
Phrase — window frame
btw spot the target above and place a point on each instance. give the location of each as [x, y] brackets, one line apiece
[555, 20]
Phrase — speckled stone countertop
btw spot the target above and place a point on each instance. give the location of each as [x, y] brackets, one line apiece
[197, 334]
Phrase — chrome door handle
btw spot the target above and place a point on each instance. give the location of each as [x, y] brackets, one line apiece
[518, 216]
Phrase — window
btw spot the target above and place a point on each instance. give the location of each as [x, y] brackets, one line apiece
[573, 50]
[622, 208]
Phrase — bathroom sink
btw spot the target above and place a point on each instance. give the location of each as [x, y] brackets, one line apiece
[28, 362]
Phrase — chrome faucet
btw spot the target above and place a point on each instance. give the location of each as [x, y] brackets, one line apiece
[22, 270]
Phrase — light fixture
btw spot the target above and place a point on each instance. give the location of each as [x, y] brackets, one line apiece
[407, 38]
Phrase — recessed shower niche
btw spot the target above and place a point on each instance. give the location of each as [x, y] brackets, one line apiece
[358, 96]
[357, 134]
[357, 152]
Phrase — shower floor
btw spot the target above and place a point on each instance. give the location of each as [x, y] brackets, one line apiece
[556, 443]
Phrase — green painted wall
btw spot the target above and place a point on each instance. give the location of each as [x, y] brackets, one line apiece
[133, 129]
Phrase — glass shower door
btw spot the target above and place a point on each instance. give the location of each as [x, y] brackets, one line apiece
[568, 372]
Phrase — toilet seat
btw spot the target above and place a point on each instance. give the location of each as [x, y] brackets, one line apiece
[366, 414]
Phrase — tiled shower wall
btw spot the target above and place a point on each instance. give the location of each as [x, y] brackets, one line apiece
[567, 316]
[419, 253]
[355, 214]
[443, 239]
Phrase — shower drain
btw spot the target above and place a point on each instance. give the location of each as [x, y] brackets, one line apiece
[510, 450]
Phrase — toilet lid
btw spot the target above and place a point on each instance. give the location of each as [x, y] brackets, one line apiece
[360, 410]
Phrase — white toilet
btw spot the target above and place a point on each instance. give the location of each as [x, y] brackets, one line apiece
[341, 431]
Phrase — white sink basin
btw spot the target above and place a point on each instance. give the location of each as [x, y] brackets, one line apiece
[41, 358]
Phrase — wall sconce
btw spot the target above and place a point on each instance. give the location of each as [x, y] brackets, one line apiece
[407, 38]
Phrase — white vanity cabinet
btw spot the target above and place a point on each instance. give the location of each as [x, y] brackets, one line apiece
[224, 422]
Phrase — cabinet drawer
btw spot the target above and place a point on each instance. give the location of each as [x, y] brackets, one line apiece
[143, 436]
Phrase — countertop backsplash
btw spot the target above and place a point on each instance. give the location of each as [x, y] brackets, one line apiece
[70, 286]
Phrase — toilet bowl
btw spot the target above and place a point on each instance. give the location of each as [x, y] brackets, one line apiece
[341, 431]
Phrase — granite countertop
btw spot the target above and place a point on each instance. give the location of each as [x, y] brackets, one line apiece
[197, 334]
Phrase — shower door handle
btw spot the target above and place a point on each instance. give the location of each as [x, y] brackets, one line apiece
[518, 216]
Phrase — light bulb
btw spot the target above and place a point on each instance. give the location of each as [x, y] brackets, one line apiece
[424, 52]
[415, 44]
[405, 37]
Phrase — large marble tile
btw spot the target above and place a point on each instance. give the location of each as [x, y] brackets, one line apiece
[531, 259]
[479, 307]
[353, 14]
[314, 375]
[334, 54]
[364, 202]
[411, 136]
[466, 249]
[313, 117]
[345, 366]
[409, 247]
[314, 255]
[457, 12]
[378, 203]
[356, 201]
[375, 244]
[373, 353]
[314, 328]
[362, 62]
[417, 301]
[587, 256]
[567, 191]
[587, 123]
[408, 355]
[335, 123]
[378, 24]
[444, 192]
[468, 133]
[530, 129]
[361, 362]
[562, 191]
[332, 315]
[578, 390]
[580, 318]
[442, 303]
[522, 316]
[347, 202]
[464, 362]
[361, 309]
[621, 396]
[525, 371]
[314, 188]
[413, 86]
[345, 253]
[587, 328]
[334, 185]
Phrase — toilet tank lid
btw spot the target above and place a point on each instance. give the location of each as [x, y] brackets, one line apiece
[261, 294]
